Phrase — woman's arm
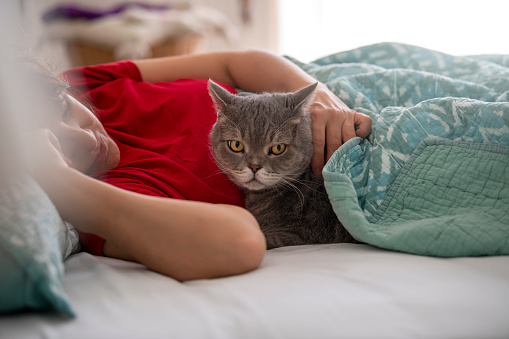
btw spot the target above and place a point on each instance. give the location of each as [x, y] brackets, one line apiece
[333, 123]
[182, 239]
[254, 71]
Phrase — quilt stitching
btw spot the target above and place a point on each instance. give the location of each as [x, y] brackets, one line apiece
[413, 94]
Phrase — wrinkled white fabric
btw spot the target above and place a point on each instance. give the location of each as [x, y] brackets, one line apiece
[316, 291]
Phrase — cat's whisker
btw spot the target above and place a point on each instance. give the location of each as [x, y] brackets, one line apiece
[217, 172]
[223, 169]
[295, 177]
[278, 191]
[308, 186]
[296, 189]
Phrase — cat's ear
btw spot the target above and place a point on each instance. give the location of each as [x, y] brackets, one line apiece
[219, 95]
[303, 96]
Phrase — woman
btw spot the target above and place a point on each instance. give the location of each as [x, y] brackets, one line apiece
[127, 214]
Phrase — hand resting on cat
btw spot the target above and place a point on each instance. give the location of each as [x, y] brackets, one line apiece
[263, 142]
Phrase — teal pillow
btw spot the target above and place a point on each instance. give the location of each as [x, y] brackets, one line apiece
[34, 241]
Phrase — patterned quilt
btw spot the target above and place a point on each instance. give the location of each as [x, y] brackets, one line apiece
[433, 176]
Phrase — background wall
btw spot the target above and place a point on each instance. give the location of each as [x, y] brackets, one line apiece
[309, 29]
[255, 22]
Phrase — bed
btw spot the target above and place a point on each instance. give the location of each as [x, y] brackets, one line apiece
[325, 291]
[427, 194]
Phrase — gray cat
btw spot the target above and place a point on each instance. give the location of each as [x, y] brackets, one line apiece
[263, 143]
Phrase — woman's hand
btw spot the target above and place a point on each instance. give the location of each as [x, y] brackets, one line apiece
[333, 124]
[46, 157]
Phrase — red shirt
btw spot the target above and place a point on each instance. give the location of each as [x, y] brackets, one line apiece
[162, 131]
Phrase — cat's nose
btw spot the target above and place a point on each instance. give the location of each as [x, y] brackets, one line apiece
[254, 168]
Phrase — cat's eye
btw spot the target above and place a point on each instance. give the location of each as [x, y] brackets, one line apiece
[236, 146]
[277, 149]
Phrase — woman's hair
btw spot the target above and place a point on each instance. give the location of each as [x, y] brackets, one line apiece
[51, 86]
[47, 85]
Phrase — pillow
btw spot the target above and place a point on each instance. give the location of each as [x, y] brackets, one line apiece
[34, 241]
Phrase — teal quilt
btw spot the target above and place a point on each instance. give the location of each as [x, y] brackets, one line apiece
[433, 176]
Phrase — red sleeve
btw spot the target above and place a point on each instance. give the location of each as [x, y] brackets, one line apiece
[91, 243]
[84, 79]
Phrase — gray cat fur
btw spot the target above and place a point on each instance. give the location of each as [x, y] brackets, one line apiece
[295, 209]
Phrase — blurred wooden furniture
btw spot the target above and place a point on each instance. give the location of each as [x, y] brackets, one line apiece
[83, 53]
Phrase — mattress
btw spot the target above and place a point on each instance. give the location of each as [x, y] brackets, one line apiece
[312, 291]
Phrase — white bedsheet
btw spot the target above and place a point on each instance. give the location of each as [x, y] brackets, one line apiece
[321, 291]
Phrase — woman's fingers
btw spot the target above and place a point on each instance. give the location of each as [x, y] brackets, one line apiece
[46, 153]
[336, 131]
[318, 131]
[332, 124]
[363, 122]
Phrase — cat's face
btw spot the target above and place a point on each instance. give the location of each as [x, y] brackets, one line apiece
[264, 140]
